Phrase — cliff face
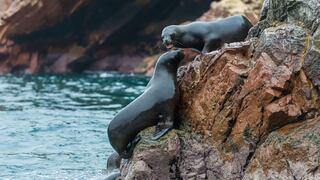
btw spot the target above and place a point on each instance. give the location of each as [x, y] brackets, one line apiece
[225, 8]
[249, 110]
[54, 36]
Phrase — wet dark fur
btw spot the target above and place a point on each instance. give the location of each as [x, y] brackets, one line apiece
[156, 106]
[207, 36]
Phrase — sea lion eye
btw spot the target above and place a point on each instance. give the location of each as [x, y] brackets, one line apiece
[172, 36]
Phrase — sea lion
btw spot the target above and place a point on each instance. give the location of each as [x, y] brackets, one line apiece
[156, 106]
[206, 36]
[113, 161]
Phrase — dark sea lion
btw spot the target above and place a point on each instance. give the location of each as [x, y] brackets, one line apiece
[156, 106]
[206, 36]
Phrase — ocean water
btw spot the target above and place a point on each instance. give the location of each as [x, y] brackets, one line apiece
[55, 127]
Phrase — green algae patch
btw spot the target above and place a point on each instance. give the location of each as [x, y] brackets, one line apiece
[146, 141]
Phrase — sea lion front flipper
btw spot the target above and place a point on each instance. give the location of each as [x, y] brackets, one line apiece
[162, 128]
[130, 148]
[212, 45]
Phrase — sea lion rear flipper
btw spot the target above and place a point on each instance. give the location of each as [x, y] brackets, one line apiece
[162, 128]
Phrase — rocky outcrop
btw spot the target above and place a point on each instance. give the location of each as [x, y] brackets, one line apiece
[28, 16]
[54, 36]
[249, 110]
[225, 8]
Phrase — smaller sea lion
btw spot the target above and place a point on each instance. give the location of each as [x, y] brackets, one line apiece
[206, 36]
[156, 106]
[113, 161]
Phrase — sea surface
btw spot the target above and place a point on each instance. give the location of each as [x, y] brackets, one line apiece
[55, 126]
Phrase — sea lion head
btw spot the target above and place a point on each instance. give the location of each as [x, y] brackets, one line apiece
[169, 36]
[171, 59]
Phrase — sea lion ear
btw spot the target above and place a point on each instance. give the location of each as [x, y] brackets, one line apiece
[172, 35]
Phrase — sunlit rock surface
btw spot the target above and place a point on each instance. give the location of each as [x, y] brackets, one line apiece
[225, 8]
[249, 110]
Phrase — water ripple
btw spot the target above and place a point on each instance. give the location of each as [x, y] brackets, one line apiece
[54, 127]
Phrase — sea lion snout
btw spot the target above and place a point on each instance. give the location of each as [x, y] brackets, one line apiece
[168, 36]
[167, 42]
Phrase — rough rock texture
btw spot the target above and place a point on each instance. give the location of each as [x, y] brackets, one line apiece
[55, 36]
[249, 110]
[225, 8]
[27, 16]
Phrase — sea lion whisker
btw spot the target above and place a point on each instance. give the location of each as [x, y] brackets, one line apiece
[181, 44]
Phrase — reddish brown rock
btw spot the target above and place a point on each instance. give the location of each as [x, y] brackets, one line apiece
[16, 16]
[82, 35]
[225, 8]
[144, 167]
[291, 152]
[251, 109]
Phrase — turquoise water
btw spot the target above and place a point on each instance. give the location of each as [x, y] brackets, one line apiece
[54, 127]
